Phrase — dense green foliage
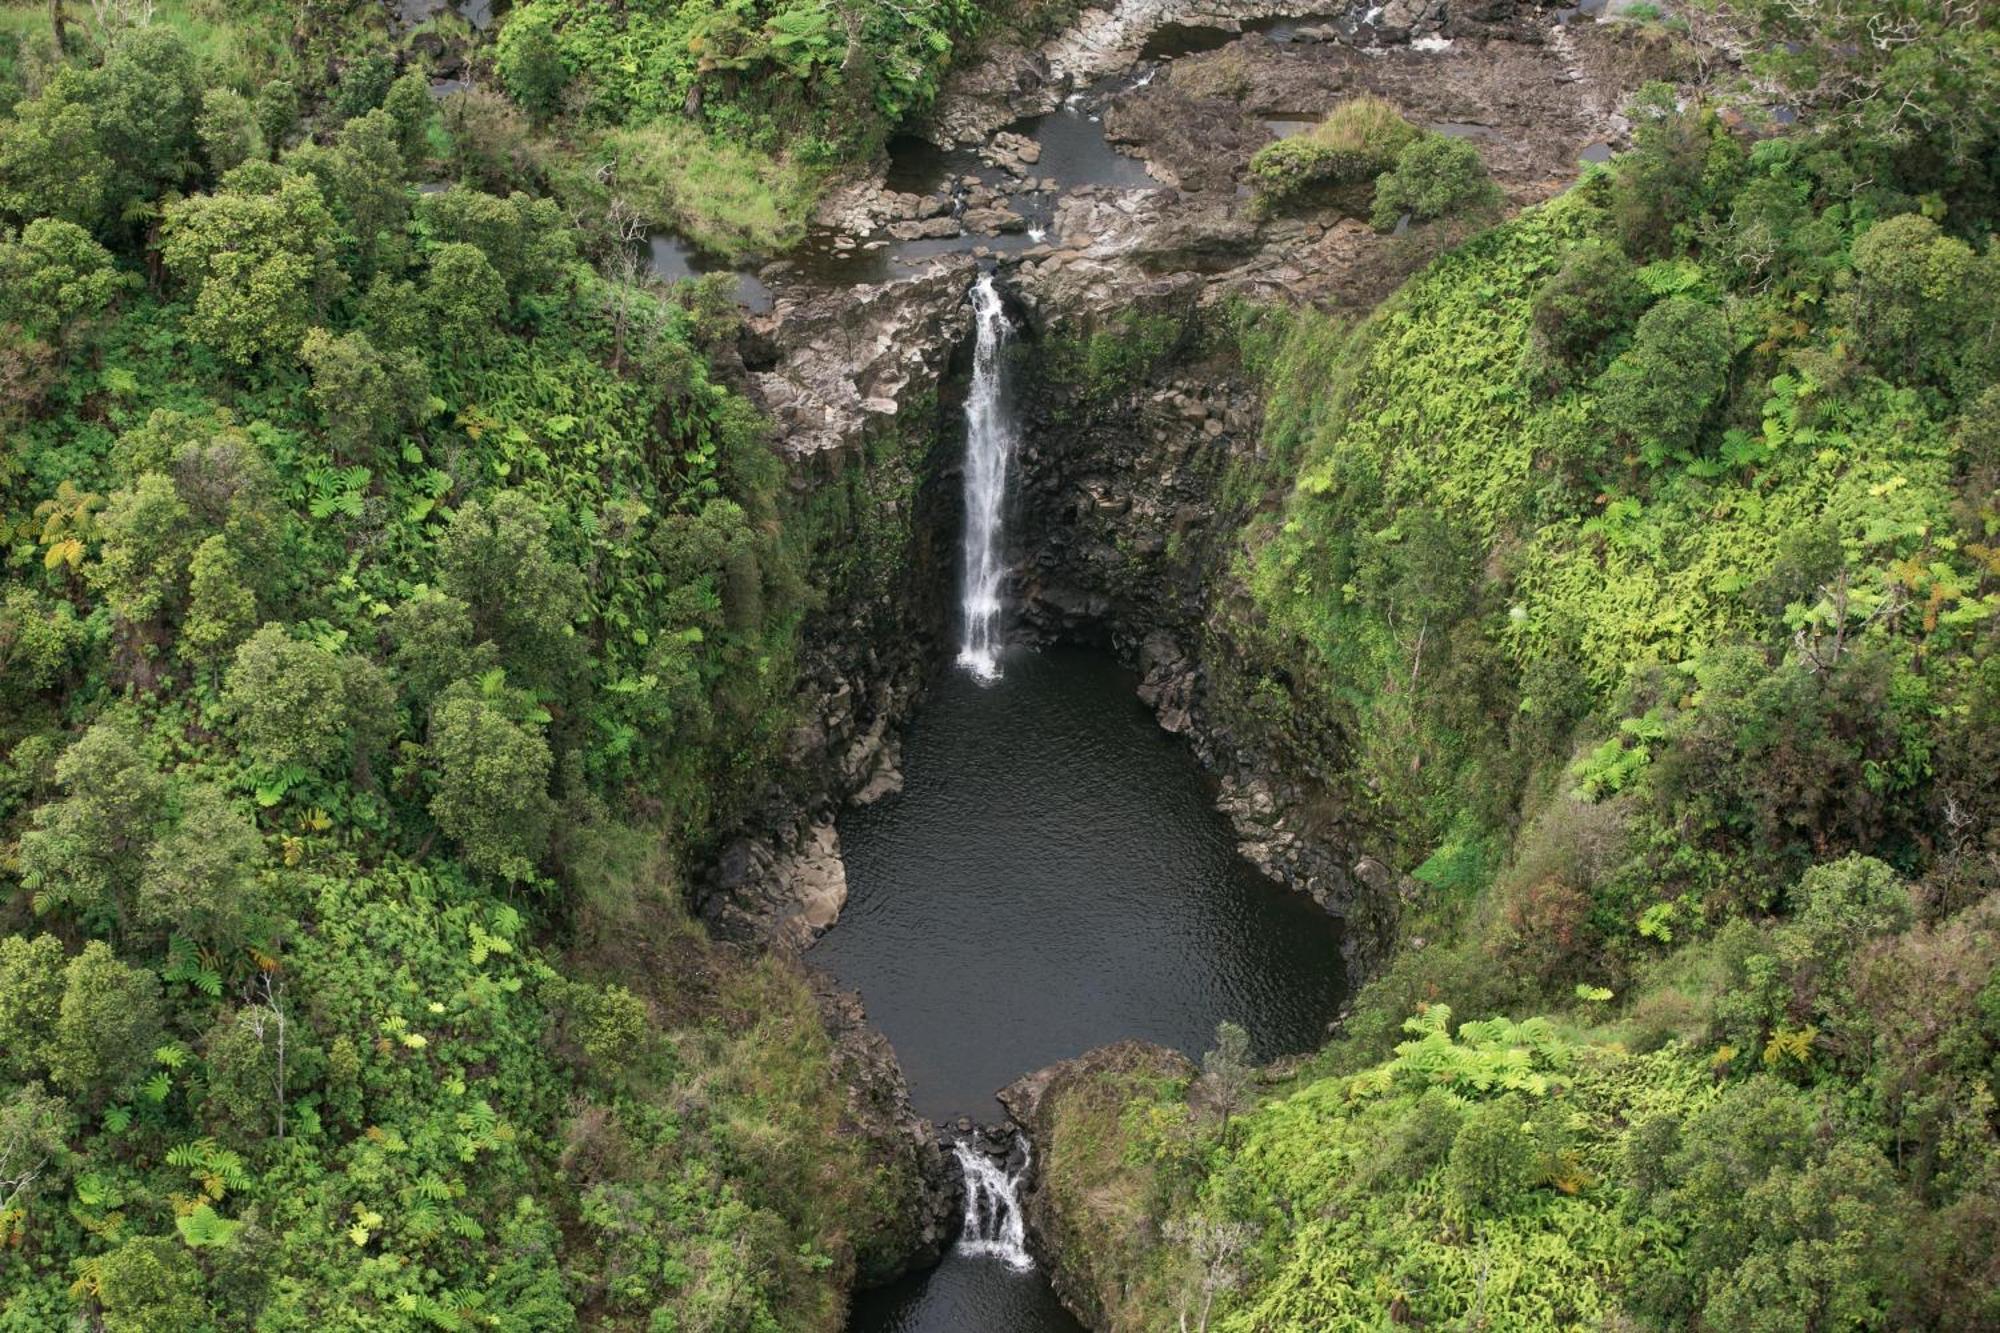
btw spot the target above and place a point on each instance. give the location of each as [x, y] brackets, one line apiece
[722, 121]
[391, 600]
[818, 78]
[1434, 177]
[1637, 583]
[1363, 145]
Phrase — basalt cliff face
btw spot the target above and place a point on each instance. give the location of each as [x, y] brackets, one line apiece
[1142, 456]
[1138, 412]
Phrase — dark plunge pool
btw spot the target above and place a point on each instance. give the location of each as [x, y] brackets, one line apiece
[1054, 876]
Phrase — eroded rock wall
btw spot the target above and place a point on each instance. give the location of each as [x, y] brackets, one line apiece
[858, 384]
[1138, 472]
[1141, 465]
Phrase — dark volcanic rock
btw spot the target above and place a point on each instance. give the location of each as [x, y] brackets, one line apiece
[1075, 1232]
[908, 1159]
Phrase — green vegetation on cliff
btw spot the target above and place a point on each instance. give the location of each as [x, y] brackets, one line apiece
[1638, 581]
[390, 601]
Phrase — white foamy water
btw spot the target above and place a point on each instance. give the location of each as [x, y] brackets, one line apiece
[990, 437]
[993, 1225]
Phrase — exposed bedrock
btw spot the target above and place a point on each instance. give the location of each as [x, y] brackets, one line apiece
[1139, 430]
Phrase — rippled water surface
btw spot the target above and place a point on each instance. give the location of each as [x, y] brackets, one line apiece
[1053, 877]
[964, 1295]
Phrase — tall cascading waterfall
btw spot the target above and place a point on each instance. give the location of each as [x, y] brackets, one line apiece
[993, 1224]
[991, 435]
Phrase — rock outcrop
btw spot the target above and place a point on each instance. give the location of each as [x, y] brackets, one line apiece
[914, 1165]
[844, 363]
[1087, 1235]
[791, 894]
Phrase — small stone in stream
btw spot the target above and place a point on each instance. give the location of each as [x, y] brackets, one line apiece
[931, 229]
[993, 221]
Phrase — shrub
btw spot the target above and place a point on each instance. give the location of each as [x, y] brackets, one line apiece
[413, 109]
[492, 781]
[30, 991]
[1923, 305]
[1794, 763]
[86, 851]
[1657, 394]
[1356, 143]
[605, 1031]
[297, 703]
[151, 1283]
[257, 262]
[39, 638]
[1563, 861]
[34, 1128]
[1549, 930]
[1787, 1225]
[1593, 298]
[1496, 1157]
[277, 111]
[106, 1025]
[531, 64]
[367, 398]
[55, 277]
[1435, 176]
[1927, 1004]
[491, 147]
[363, 85]
[1841, 905]
[1681, 163]
[228, 130]
[200, 878]
[496, 558]
[1422, 1137]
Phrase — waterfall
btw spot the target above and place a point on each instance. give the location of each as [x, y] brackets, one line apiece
[993, 1223]
[990, 437]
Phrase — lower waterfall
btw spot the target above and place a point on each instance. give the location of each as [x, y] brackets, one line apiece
[993, 1224]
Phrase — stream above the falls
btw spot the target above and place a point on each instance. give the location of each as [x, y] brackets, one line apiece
[1053, 877]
